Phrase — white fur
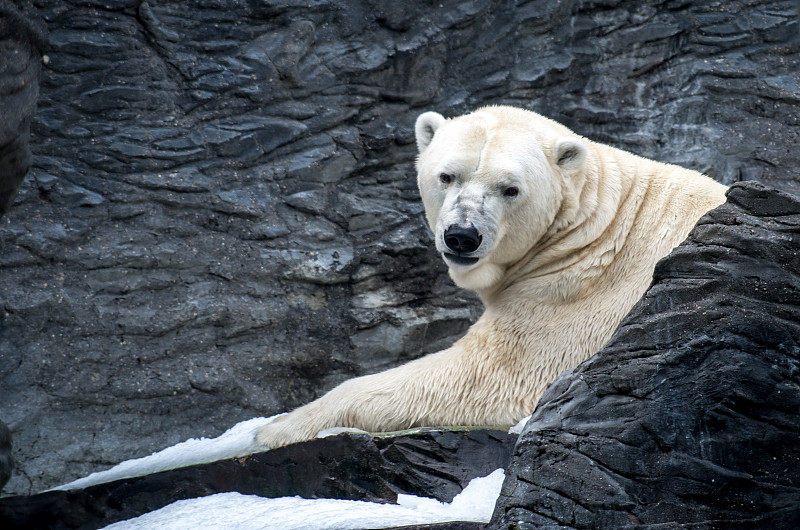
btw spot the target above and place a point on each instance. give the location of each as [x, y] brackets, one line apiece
[559, 264]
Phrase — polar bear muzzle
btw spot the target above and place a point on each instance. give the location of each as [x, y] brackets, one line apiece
[462, 240]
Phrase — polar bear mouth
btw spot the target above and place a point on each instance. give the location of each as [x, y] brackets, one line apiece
[459, 260]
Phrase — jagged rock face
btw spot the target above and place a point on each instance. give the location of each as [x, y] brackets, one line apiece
[222, 220]
[690, 414]
[22, 39]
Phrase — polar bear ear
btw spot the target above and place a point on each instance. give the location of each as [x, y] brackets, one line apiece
[570, 153]
[425, 128]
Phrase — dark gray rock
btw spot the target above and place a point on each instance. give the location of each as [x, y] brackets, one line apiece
[22, 40]
[433, 463]
[221, 220]
[690, 416]
[6, 462]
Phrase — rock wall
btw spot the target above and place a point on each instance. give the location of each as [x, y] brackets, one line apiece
[221, 220]
[690, 414]
[23, 38]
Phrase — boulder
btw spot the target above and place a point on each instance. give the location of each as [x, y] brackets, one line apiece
[689, 417]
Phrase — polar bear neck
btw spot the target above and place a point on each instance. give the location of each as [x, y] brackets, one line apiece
[617, 197]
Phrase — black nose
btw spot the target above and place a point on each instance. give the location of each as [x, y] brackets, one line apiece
[462, 239]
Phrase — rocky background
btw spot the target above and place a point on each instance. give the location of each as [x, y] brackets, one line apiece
[23, 39]
[221, 220]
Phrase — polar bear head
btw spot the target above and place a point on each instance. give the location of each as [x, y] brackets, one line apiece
[493, 183]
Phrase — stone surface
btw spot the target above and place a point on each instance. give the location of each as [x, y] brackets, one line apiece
[6, 463]
[22, 39]
[221, 220]
[690, 416]
[435, 464]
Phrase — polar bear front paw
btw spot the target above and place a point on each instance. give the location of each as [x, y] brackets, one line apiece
[276, 434]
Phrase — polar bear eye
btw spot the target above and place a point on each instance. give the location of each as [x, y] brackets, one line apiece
[511, 191]
[444, 178]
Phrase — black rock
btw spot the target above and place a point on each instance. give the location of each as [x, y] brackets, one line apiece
[23, 39]
[6, 462]
[690, 416]
[432, 463]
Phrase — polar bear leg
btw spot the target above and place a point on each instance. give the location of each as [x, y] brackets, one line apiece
[436, 390]
[377, 402]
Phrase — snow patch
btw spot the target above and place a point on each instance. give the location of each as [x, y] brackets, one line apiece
[249, 512]
[237, 441]
[517, 429]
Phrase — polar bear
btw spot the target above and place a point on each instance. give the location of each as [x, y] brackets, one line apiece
[559, 237]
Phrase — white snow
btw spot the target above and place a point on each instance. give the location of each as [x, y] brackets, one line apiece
[237, 441]
[250, 512]
[234, 510]
[517, 429]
